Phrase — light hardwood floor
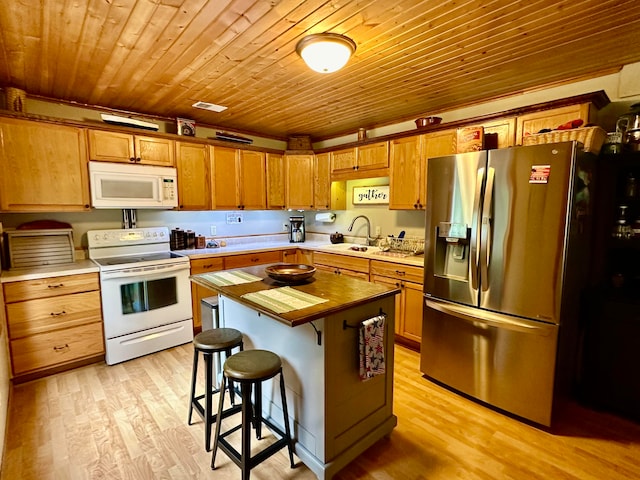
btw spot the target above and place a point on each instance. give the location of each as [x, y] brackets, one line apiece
[128, 421]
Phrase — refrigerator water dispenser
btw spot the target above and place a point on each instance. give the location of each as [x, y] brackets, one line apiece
[452, 251]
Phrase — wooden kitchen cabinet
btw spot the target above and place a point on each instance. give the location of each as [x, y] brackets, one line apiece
[532, 123]
[53, 323]
[505, 128]
[198, 292]
[194, 182]
[407, 180]
[327, 195]
[299, 181]
[238, 179]
[109, 146]
[250, 259]
[366, 161]
[276, 177]
[409, 303]
[43, 167]
[408, 167]
[342, 265]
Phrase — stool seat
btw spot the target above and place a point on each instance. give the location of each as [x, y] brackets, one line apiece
[217, 339]
[252, 365]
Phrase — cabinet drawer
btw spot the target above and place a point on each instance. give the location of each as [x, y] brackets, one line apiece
[342, 261]
[249, 259]
[50, 287]
[202, 265]
[55, 348]
[47, 314]
[398, 271]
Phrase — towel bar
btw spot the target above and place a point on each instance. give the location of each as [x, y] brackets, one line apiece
[345, 325]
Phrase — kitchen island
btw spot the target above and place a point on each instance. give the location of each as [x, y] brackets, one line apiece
[334, 415]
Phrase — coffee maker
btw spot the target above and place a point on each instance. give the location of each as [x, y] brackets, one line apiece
[296, 229]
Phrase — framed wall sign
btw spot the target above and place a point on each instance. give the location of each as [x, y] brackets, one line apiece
[371, 195]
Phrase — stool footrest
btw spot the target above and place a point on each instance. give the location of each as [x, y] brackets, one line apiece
[259, 457]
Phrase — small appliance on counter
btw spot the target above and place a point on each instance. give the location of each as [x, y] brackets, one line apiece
[296, 229]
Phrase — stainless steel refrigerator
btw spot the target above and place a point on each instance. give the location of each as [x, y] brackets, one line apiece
[506, 255]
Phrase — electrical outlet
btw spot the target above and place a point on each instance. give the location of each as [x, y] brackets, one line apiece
[285, 227]
[378, 231]
[214, 230]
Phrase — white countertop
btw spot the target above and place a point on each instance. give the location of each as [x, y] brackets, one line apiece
[319, 246]
[35, 273]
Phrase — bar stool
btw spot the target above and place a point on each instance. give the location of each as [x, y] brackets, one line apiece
[250, 368]
[210, 343]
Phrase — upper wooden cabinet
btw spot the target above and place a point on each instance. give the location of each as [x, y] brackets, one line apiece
[532, 123]
[408, 167]
[505, 128]
[364, 161]
[43, 167]
[276, 175]
[299, 181]
[110, 146]
[194, 182]
[238, 179]
[327, 195]
[406, 170]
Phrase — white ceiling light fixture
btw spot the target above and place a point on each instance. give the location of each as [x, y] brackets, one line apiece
[326, 52]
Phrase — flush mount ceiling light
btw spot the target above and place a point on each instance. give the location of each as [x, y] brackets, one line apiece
[326, 52]
[212, 107]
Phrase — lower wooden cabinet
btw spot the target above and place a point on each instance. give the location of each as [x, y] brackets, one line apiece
[53, 323]
[409, 303]
[198, 292]
[342, 265]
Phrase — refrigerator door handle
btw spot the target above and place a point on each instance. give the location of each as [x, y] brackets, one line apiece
[491, 319]
[486, 233]
[475, 227]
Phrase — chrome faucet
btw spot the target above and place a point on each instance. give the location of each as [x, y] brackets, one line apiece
[370, 241]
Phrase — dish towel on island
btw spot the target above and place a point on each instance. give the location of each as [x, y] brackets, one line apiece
[372, 347]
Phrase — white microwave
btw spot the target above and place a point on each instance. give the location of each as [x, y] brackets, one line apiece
[121, 185]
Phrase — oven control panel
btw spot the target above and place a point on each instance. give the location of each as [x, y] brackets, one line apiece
[126, 237]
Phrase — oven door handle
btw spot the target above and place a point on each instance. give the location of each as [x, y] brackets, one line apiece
[138, 271]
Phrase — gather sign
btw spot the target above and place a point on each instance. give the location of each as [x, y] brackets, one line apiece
[371, 195]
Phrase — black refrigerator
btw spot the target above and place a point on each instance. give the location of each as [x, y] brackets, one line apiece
[508, 235]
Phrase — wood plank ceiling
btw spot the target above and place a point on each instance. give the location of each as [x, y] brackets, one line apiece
[413, 57]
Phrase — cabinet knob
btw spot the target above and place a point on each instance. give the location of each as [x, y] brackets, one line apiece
[138, 160]
[132, 159]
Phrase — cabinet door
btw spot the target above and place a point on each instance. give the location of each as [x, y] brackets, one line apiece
[155, 151]
[343, 161]
[406, 178]
[322, 182]
[373, 156]
[111, 146]
[505, 128]
[253, 191]
[299, 178]
[225, 178]
[532, 123]
[194, 191]
[412, 311]
[43, 167]
[275, 181]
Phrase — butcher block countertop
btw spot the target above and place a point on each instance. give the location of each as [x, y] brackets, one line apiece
[340, 292]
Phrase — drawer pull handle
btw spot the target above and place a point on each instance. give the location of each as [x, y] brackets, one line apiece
[60, 349]
[56, 286]
[400, 272]
[53, 314]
